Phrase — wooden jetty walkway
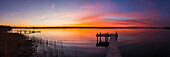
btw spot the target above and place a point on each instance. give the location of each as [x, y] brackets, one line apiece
[24, 31]
[113, 48]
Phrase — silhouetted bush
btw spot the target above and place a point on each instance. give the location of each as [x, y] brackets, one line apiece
[5, 28]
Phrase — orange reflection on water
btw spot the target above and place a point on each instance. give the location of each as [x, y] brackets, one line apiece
[74, 34]
[84, 35]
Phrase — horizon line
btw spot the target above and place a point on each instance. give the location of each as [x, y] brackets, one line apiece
[91, 27]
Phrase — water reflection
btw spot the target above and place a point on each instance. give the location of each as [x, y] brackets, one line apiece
[47, 48]
[144, 43]
[82, 42]
[76, 42]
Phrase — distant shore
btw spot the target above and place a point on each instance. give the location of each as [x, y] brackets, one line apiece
[91, 27]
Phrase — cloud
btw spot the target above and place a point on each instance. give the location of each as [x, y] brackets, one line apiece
[117, 19]
[42, 17]
[53, 5]
[90, 18]
[25, 21]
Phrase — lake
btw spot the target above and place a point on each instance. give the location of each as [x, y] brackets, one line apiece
[82, 42]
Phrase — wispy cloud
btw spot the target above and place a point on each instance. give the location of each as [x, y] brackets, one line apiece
[53, 5]
[116, 19]
[25, 21]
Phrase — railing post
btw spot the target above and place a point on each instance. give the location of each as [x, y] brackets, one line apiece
[105, 37]
[97, 37]
[20, 31]
[29, 32]
[100, 36]
[25, 31]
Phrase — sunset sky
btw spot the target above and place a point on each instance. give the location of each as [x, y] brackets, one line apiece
[141, 13]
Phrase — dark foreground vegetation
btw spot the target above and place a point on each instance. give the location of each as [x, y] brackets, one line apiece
[19, 45]
[15, 45]
[5, 28]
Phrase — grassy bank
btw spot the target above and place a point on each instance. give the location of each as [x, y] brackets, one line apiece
[15, 45]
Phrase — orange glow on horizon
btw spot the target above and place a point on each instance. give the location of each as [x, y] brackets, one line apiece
[73, 26]
[55, 26]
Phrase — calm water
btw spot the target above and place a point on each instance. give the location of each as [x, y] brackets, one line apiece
[132, 42]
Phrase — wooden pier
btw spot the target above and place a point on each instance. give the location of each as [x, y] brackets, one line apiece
[113, 48]
[24, 31]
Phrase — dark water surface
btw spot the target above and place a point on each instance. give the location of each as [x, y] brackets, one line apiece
[145, 43]
[82, 42]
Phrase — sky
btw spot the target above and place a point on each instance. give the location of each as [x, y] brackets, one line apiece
[103, 13]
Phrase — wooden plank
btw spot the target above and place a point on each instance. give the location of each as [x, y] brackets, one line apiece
[113, 49]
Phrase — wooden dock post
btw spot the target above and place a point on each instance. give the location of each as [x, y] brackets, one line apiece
[105, 37]
[25, 31]
[100, 36]
[20, 32]
[33, 32]
[29, 32]
[97, 37]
